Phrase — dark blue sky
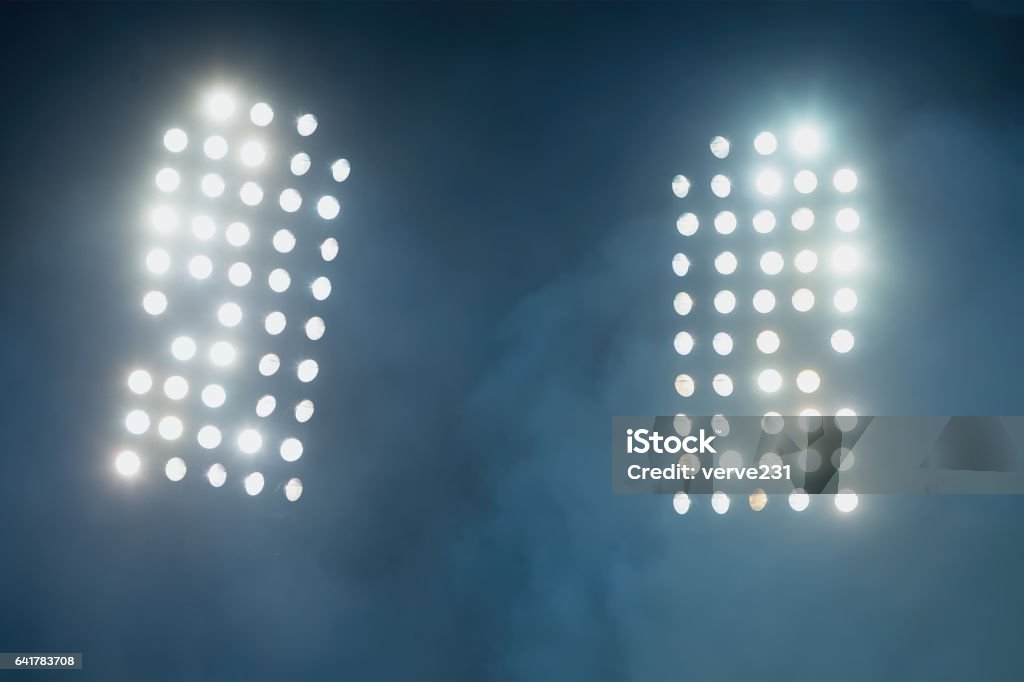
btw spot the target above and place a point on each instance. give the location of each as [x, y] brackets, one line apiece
[505, 290]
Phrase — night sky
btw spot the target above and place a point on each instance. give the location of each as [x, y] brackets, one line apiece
[503, 290]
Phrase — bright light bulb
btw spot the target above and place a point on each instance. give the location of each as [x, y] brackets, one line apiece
[340, 170]
[306, 125]
[719, 147]
[220, 105]
[846, 501]
[806, 261]
[217, 475]
[680, 264]
[284, 241]
[803, 300]
[183, 348]
[799, 500]
[328, 207]
[167, 179]
[269, 364]
[250, 193]
[170, 428]
[845, 180]
[725, 302]
[772, 263]
[139, 382]
[684, 385]
[680, 186]
[842, 341]
[203, 227]
[805, 182]
[808, 381]
[845, 259]
[175, 469]
[725, 263]
[215, 147]
[200, 267]
[769, 381]
[772, 423]
[304, 411]
[725, 222]
[845, 300]
[293, 490]
[290, 200]
[175, 140]
[802, 219]
[154, 303]
[806, 141]
[279, 280]
[254, 483]
[250, 441]
[265, 406]
[764, 301]
[127, 463]
[809, 420]
[683, 303]
[175, 387]
[300, 164]
[683, 343]
[687, 224]
[209, 437]
[164, 219]
[222, 353]
[229, 314]
[764, 221]
[261, 114]
[239, 274]
[321, 288]
[846, 419]
[237, 234]
[847, 220]
[721, 186]
[329, 249]
[315, 328]
[212, 185]
[308, 369]
[768, 182]
[765, 143]
[768, 342]
[136, 422]
[214, 395]
[722, 384]
[158, 261]
[275, 323]
[253, 153]
[722, 343]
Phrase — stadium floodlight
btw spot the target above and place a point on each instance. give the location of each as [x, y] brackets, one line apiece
[127, 463]
[782, 263]
[226, 237]
[766, 143]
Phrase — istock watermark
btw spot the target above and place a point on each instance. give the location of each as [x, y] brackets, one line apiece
[642, 441]
[817, 454]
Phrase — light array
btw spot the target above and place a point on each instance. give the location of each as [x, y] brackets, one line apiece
[781, 261]
[237, 243]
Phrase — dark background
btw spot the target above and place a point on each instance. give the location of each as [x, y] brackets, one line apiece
[503, 290]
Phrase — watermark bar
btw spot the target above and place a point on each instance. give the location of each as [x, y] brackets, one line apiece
[817, 454]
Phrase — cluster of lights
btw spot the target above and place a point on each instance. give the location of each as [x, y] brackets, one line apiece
[815, 207]
[207, 231]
